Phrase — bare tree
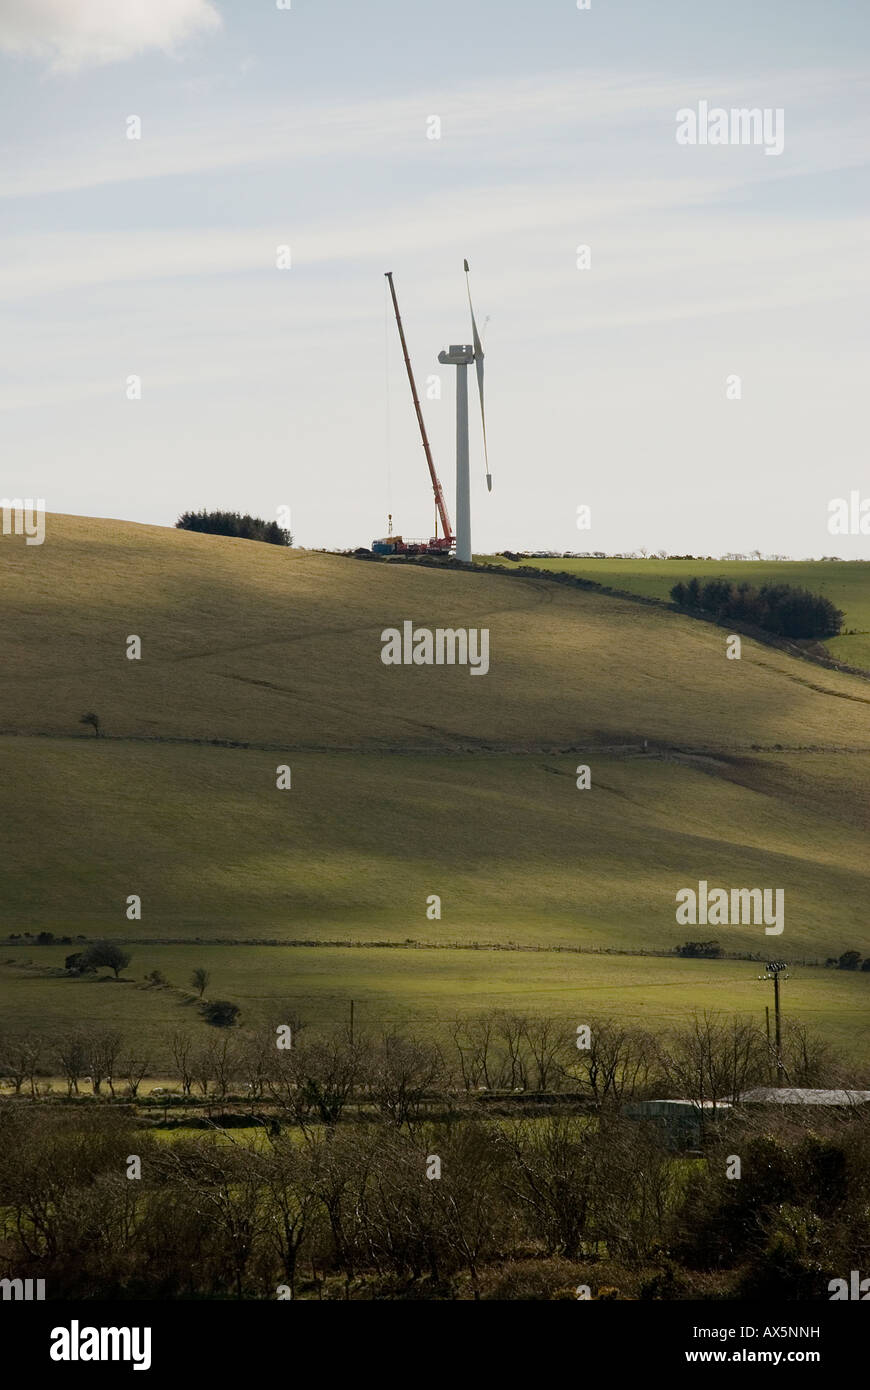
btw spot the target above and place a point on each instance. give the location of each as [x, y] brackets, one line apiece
[637, 1188]
[511, 1031]
[401, 1073]
[202, 1067]
[473, 1039]
[223, 1062]
[221, 1185]
[808, 1060]
[134, 1069]
[102, 1048]
[200, 979]
[550, 1046]
[255, 1063]
[182, 1051]
[316, 1079]
[617, 1064]
[71, 1053]
[20, 1055]
[712, 1060]
[468, 1199]
[288, 1176]
[341, 1169]
[551, 1179]
[390, 1223]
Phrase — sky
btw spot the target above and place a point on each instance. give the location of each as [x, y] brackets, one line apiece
[699, 385]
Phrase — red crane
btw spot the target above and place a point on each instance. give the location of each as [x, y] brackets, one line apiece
[438, 545]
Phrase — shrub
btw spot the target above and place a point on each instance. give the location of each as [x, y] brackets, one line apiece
[849, 960]
[220, 1013]
[77, 962]
[794, 1264]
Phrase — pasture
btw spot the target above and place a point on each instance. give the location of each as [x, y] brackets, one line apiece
[845, 582]
[424, 991]
[408, 785]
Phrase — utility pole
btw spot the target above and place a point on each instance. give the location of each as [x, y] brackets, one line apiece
[775, 970]
[351, 1091]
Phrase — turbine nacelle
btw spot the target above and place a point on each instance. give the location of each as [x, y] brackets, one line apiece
[457, 355]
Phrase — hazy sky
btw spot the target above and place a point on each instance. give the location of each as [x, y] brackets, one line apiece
[307, 127]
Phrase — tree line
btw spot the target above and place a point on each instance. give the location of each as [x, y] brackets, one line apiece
[311, 1077]
[334, 1200]
[779, 608]
[251, 528]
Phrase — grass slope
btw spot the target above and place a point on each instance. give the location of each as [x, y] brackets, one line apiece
[259, 644]
[846, 583]
[406, 781]
[515, 851]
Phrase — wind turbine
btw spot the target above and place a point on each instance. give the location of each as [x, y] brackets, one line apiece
[459, 356]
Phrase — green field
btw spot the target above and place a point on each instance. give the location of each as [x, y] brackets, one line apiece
[408, 782]
[424, 991]
[845, 582]
[256, 644]
[354, 850]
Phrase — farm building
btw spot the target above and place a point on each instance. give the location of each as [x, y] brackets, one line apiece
[795, 1095]
[681, 1121]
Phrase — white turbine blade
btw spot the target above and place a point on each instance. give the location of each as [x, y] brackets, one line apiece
[478, 362]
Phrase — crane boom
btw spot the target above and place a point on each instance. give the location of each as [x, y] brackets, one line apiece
[436, 485]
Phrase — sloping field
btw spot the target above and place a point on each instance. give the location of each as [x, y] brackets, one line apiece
[258, 644]
[845, 582]
[407, 782]
[513, 849]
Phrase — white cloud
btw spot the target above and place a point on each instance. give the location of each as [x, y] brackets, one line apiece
[75, 33]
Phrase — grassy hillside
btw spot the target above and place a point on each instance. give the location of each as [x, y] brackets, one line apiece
[406, 782]
[515, 851]
[845, 583]
[263, 645]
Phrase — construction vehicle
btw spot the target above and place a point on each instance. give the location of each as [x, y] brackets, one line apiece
[441, 545]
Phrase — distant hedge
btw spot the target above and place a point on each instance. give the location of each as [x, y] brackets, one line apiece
[778, 608]
[700, 950]
[249, 528]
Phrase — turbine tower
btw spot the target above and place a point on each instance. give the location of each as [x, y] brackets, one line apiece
[459, 356]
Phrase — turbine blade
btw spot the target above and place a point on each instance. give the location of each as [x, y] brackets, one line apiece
[478, 362]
